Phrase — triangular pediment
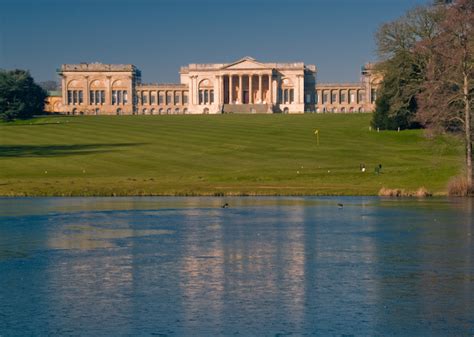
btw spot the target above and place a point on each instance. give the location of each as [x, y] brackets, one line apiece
[245, 63]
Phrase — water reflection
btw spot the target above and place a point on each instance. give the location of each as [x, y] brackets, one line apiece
[264, 266]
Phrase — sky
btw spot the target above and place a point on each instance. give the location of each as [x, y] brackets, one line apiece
[160, 36]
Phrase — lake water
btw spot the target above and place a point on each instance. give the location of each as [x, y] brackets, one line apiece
[262, 267]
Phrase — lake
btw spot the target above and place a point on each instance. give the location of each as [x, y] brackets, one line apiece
[269, 266]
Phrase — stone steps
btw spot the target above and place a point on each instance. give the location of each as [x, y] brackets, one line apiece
[247, 108]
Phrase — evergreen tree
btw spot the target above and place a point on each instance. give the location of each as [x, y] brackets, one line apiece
[20, 96]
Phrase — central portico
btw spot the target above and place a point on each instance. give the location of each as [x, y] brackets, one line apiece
[248, 86]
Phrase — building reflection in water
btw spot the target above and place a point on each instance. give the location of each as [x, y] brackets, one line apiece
[262, 266]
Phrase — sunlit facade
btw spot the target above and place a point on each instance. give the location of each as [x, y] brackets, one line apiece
[244, 86]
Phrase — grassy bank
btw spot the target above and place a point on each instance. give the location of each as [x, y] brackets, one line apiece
[218, 155]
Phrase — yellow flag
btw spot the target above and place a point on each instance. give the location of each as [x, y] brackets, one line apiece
[316, 132]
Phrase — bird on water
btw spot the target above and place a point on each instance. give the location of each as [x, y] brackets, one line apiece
[226, 205]
[340, 205]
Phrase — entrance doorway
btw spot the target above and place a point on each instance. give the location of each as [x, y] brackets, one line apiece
[246, 97]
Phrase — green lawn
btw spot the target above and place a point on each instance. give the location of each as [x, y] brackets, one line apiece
[218, 155]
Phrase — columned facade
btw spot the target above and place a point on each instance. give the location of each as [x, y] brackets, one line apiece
[244, 86]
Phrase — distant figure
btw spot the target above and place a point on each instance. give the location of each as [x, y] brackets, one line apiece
[362, 167]
[378, 169]
[226, 205]
[340, 205]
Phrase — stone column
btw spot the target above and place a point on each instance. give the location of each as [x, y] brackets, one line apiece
[250, 89]
[86, 94]
[193, 92]
[270, 88]
[221, 90]
[231, 96]
[260, 91]
[64, 90]
[302, 98]
[217, 93]
[109, 91]
[241, 89]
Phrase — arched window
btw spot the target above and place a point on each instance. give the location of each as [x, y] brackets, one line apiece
[160, 112]
[286, 110]
[176, 111]
[74, 111]
[360, 109]
[119, 111]
[351, 109]
[343, 109]
[144, 111]
[205, 111]
[152, 111]
[168, 111]
[205, 91]
[185, 110]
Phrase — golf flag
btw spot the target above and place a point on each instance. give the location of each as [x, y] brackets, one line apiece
[316, 132]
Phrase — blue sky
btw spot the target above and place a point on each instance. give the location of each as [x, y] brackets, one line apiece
[160, 36]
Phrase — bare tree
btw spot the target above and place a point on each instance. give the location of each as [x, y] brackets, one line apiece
[446, 99]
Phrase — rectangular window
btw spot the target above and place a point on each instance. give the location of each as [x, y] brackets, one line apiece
[102, 97]
[343, 97]
[119, 96]
[185, 98]
[206, 96]
[152, 98]
[69, 97]
[373, 96]
[333, 97]
[352, 98]
[74, 97]
[325, 98]
[114, 97]
[125, 97]
[211, 96]
[91, 97]
[161, 98]
[292, 96]
[285, 96]
[144, 98]
[168, 98]
[361, 96]
[81, 97]
[176, 99]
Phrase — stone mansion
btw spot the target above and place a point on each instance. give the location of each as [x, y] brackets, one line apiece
[244, 86]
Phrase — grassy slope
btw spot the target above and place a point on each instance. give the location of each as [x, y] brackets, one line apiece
[225, 154]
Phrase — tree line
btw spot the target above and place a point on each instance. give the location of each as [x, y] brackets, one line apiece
[427, 64]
